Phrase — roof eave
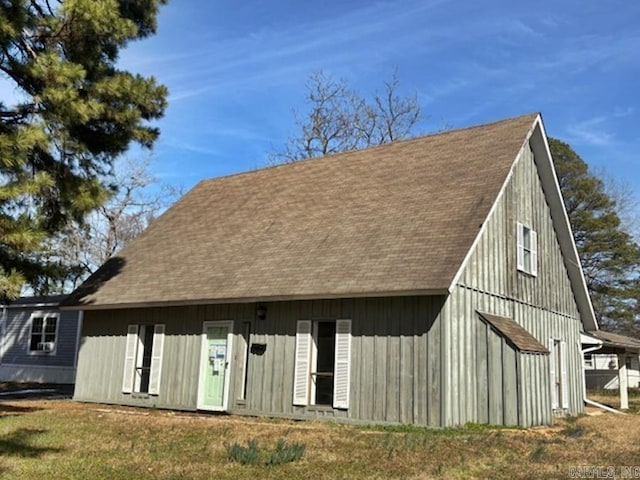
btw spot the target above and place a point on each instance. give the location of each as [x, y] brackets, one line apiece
[252, 299]
[560, 219]
[631, 344]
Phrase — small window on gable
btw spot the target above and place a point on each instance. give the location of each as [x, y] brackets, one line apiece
[527, 249]
[44, 328]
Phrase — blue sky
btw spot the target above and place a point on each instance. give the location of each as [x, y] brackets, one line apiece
[236, 70]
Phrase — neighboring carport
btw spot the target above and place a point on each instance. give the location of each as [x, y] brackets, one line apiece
[619, 345]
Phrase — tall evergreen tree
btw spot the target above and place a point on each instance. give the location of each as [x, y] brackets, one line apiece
[610, 257]
[74, 112]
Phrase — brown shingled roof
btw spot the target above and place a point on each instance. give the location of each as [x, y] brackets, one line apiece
[616, 340]
[391, 219]
[514, 333]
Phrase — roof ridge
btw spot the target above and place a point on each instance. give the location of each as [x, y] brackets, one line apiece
[371, 148]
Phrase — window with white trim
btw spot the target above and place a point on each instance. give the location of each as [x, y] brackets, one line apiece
[527, 249]
[143, 359]
[322, 363]
[44, 332]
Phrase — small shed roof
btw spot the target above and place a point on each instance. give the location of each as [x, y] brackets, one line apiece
[615, 340]
[514, 333]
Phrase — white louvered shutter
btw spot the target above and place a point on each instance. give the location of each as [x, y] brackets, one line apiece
[563, 375]
[533, 238]
[552, 374]
[520, 246]
[130, 359]
[301, 368]
[342, 370]
[156, 359]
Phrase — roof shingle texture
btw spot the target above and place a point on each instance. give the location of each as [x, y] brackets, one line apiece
[514, 333]
[614, 339]
[395, 218]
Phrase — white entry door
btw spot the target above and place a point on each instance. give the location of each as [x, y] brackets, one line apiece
[213, 386]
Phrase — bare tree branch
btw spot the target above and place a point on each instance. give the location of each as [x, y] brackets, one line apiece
[82, 248]
[340, 119]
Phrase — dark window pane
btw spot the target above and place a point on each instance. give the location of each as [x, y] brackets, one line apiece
[526, 238]
[50, 326]
[50, 330]
[326, 347]
[38, 323]
[146, 358]
[36, 333]
[326, 343]
[324, 390]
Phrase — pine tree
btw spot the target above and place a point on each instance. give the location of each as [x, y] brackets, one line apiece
[74, 113]
[609, 255]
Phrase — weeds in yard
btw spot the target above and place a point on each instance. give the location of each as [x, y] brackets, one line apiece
[394, 443]
[611, 392]
[64, 439]
[285, 453]
[253, 455]
[468, 428]
[249, 455]
[573, 429]
[538, 452]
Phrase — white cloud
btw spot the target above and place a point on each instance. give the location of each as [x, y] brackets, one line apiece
[596, 131]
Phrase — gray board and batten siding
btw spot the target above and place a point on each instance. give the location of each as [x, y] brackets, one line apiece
[424, 356]
[543, 305]
[395, 357]
[426, 360]
[17, 362]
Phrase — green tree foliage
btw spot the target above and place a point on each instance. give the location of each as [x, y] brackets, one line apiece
[610, 257]
[74, 113]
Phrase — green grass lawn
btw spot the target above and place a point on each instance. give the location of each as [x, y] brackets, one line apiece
[64, 439]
